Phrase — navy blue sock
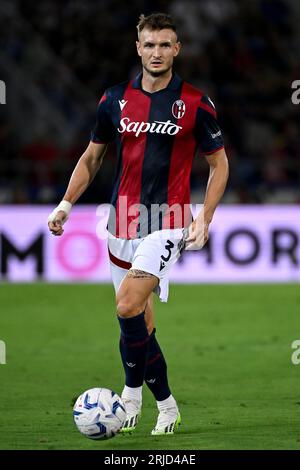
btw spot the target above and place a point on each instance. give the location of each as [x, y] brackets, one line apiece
[156, 370]
[134, 344]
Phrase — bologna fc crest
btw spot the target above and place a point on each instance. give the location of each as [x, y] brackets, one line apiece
[178, 109]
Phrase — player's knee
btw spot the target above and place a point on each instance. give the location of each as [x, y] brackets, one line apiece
[127, 308]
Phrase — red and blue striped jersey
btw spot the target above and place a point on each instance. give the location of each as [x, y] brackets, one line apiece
[157, 135]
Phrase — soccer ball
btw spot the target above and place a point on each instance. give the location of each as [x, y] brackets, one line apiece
[99, 413]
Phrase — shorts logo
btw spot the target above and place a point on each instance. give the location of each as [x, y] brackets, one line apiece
[178, 109]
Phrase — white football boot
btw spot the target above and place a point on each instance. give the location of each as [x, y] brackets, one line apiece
[168, 420]
[133, 413]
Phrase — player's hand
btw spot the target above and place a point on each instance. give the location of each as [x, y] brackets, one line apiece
[55, 225]
[58, 217]
[197, 233]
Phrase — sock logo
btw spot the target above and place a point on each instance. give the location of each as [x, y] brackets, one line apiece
[151, 381]
[130, 364]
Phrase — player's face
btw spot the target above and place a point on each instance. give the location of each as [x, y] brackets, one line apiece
[157, 50]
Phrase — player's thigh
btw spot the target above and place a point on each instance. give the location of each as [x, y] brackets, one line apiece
[118, 275]
[156, 254]
[134, 292]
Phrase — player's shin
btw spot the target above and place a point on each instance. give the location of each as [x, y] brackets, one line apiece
[157, 380]
[134, 345]
[156, 376]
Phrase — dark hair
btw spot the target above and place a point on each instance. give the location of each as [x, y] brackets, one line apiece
[156, 21]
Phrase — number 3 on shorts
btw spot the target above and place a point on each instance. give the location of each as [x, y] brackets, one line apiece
[164, 259]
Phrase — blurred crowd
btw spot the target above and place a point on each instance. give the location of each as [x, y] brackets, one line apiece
[57, 58]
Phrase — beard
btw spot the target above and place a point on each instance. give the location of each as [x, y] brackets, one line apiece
[157, 73]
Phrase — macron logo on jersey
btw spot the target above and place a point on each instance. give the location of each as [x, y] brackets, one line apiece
[158, 127]
[122, 104]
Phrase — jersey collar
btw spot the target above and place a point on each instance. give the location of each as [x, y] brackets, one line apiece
[174, 83]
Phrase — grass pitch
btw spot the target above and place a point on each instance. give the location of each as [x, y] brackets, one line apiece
[228, 349]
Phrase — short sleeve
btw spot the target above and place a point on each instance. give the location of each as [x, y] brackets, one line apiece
[207, 131]
[104, 130]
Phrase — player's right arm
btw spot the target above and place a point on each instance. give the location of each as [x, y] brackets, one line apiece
[87, 166]
[83, 174]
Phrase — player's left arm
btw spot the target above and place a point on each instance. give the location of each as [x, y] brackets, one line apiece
[218, 176]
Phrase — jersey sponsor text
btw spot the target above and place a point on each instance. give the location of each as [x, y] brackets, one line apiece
[158, 127]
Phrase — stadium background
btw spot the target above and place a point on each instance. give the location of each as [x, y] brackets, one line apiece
[236, 384]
